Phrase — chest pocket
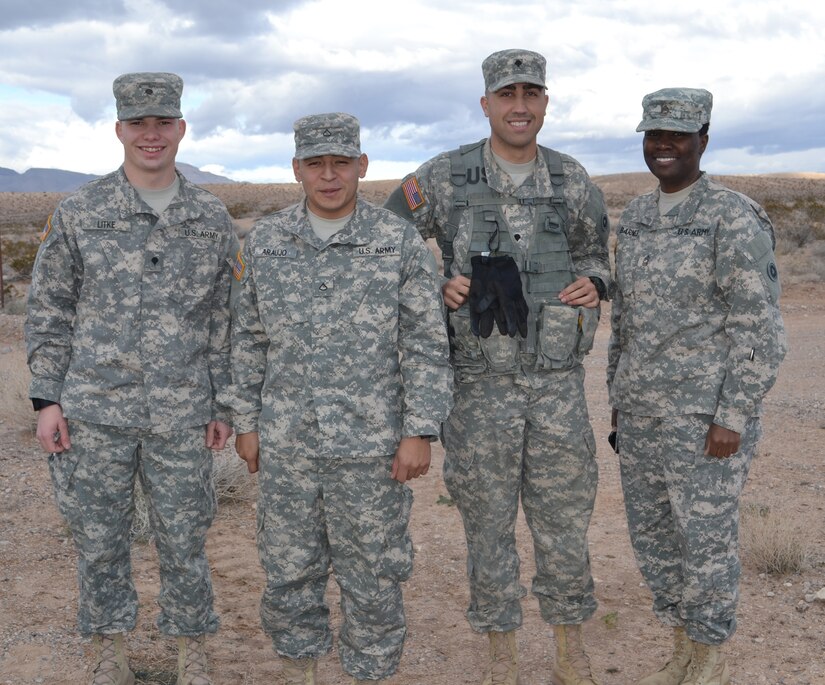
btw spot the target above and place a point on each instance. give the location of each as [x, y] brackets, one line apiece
[365, 294]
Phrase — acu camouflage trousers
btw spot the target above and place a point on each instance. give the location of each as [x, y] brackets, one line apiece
[683, 515]
[507, 440]
[319, 514]
[94, 485]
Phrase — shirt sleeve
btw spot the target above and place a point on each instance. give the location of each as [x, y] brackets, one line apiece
[51, 308]
[422, 342]
[219, 327]
[747, 274]
[249, 347]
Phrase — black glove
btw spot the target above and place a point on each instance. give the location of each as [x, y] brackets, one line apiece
[512, 307]
[482, 298]
[613, 439]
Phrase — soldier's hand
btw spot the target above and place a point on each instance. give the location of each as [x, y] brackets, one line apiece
[247, 446]
[721, 442]
[580, 293]
[217, 433]
[412, 459]
[52, 429]
[456, 291]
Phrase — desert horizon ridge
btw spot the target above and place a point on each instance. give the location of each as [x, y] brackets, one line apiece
[246, 198]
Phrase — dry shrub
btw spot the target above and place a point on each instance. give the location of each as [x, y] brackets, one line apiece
[771, 540]
[15, 405]
[232, 484]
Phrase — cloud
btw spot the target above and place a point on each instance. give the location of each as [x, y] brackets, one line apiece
[411, 74]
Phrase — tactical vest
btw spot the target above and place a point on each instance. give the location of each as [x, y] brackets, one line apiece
[547, 264]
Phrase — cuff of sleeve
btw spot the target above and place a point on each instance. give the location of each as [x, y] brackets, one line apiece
[415, 427]
[245, 423]
[730, 418]
[38, 403]
[45, 390]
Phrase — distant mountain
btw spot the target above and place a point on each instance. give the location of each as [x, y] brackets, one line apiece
[60, 181]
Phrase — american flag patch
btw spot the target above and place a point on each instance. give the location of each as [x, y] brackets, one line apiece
[240, 266]
[46, 229]
[412, 191]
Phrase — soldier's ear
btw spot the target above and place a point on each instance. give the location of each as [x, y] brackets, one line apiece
[484, 106]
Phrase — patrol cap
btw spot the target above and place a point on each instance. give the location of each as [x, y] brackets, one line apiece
[676, 109]
[506, 67]
[334, 133]
[148, 94]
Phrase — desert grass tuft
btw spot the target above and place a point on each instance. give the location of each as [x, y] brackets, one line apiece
[771, 541]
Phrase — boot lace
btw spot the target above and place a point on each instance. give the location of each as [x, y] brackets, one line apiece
[107, 670]
[194, 665]
[502, 669]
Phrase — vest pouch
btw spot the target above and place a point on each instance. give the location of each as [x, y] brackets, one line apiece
[589, 323]
[465, 352]
[501, 352]
[558, 336]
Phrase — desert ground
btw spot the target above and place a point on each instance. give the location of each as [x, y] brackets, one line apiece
[781, 634]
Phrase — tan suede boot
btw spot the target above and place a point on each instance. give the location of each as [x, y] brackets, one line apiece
[111, 667]
[675, 670]
[707, 667]
[192, 660]
[299, 671]
[572, 665]
[503, 666]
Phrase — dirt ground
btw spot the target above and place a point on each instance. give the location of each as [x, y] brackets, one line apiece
[780, 640]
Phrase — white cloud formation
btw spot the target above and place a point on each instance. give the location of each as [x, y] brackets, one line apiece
[412, 75]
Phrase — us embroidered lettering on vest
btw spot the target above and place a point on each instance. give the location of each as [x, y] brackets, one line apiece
[634, 232]
[103, 223]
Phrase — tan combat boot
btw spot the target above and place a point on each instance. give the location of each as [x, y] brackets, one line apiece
[707, 667]
[675, 670]
[112, 667]
[192, 661]
[299, 671]
[572, 665]
[503, 666]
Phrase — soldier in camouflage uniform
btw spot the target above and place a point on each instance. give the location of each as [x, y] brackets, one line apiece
[128, 341]
[696, 342]
[520, 426]
[341, 379]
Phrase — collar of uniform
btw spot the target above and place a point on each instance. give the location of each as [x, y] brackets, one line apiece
[357, 231]
[500, 181]
[183, 207]
[687, 208]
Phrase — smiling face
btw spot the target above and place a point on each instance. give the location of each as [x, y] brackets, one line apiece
[330, 183]
[150, 145]
[674, 157]
[516, 115]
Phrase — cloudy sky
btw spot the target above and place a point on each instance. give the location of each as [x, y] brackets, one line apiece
[410, 71]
